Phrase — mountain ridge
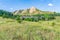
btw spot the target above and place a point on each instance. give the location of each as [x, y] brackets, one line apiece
[31, 11]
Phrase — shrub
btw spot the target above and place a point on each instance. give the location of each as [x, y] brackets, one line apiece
[53, 24]
[18, 19]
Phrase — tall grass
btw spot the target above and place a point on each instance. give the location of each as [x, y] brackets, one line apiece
[43, 30]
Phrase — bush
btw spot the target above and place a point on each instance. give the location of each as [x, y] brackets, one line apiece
[53, 23]
[29, 19]
[49, 16]
[18, 19]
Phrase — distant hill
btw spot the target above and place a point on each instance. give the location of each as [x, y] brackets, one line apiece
[31, 11]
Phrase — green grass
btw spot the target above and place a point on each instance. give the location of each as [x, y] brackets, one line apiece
[43, 30]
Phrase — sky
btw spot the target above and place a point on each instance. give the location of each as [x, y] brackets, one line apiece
[45, 5]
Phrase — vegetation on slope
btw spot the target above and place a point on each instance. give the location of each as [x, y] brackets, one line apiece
[33, 18]
[30, 28]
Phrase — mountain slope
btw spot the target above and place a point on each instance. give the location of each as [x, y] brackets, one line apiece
[31, 11]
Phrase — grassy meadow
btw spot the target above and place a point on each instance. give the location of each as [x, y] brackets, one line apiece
[10, 29]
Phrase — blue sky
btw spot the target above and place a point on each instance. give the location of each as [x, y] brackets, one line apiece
[46, 5]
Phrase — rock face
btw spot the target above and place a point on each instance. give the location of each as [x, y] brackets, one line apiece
[33, 9]
[17, 12]
[30, 10]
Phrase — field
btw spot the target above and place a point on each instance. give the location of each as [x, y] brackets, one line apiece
[43, 30]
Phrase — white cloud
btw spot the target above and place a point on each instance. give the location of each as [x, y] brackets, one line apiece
[11, 8]
[50, 4]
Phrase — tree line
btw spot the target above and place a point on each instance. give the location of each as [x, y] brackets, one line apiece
[33, 18]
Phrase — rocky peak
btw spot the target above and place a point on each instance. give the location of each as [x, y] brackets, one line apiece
[32, 9]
